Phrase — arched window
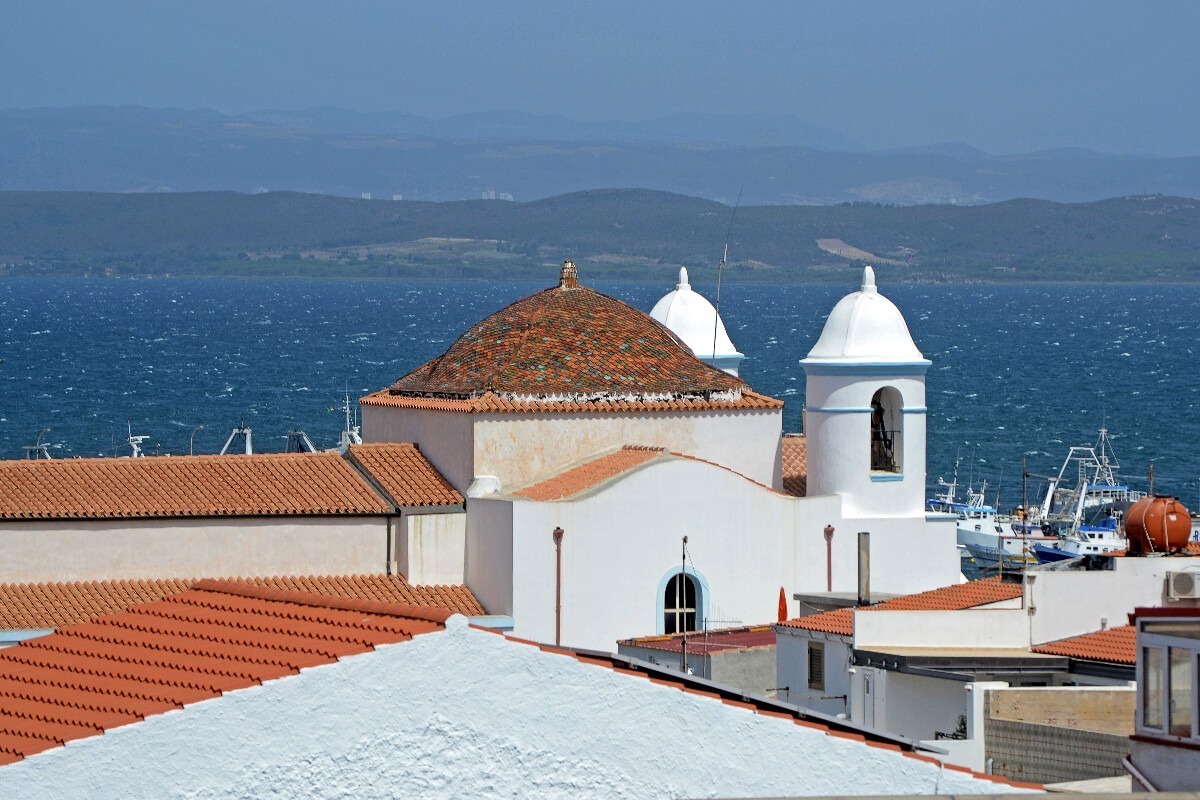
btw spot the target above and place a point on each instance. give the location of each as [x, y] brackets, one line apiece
[887, 429]
[680, 601]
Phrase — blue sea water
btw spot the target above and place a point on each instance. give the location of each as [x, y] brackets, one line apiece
[1016, 370]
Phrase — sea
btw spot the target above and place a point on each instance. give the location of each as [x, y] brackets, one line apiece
[1020, 373]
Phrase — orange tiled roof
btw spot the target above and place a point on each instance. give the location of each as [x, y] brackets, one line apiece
[1115, 646]
[185, 486]
[405, 474]
[54, 605]
[492, 403]
[567, 340]
[316, 484]
[590, 474]
[188, 647]
[795, 465]
[594, 472]
[840, 621]
[714, 641]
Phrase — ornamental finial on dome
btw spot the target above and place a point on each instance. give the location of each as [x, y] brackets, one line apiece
[868, 284]
[683, 280]
[569, 277]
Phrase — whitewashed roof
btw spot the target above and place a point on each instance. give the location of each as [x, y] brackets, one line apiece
[865, 327]
[690, 316]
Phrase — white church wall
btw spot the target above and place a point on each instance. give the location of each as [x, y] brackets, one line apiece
[57, 550]
[444, 437]
[488, 561]
[465, 713]
[435, 548]
[623, 540]
[523, 448]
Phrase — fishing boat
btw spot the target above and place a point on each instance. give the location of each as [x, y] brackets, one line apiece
[987, 539]
[1085, 518]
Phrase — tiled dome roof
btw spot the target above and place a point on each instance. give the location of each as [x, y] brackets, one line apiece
[568, 342]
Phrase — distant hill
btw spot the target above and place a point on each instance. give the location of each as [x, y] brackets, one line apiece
[769, 159]
[615, 233]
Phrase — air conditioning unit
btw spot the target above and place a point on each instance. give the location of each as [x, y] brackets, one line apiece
[1183, 585]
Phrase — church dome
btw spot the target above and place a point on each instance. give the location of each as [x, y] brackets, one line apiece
[568, 342]
[865, 327]
[693, 319]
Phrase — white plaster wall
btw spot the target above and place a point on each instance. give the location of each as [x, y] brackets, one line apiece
[971, 627]
[908, 554]
[524, 448]
[972, 751]
[435, 548]
[919, 706]
[1170, 769]
[1071, 603]
[489, 556]
[791, 670]
[621, 540]
[444, 437]
[468, 714]
[190, 548]
[837, 423]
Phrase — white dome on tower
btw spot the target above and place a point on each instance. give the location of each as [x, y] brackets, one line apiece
[865, 327]
[693, 319]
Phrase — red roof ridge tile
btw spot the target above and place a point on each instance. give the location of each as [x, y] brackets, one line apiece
[435, 615]
[591, 472]
[956, 597]
[727, 469]
[492, 403]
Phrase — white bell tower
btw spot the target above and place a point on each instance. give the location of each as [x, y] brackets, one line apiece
[865, 408]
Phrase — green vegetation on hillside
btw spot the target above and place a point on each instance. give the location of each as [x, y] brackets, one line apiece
[616, 233]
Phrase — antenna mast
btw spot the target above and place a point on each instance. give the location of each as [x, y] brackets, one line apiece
[720, 270]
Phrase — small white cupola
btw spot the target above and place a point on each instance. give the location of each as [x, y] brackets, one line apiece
[865, 327]
[693, 319]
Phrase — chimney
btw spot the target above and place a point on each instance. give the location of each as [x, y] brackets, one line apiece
[569, 278]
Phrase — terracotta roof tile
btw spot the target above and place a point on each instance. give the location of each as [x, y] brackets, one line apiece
[404, 473]
[795, 465]
[591, 473]
[55, 605]
[213, 638]
[185, 486]
[972, 594]
[1115, 646]
[708, 641]
[839, 621]
[492, 403]
[567, 340]
[596, 471]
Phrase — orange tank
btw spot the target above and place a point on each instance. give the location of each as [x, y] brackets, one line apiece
[1158, 524]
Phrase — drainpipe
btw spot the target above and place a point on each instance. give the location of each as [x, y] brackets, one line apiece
[864, 568]
[829, 558]
[558, 537]
[393, 557]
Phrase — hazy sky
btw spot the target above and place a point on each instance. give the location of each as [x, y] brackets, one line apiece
[1002, 76]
